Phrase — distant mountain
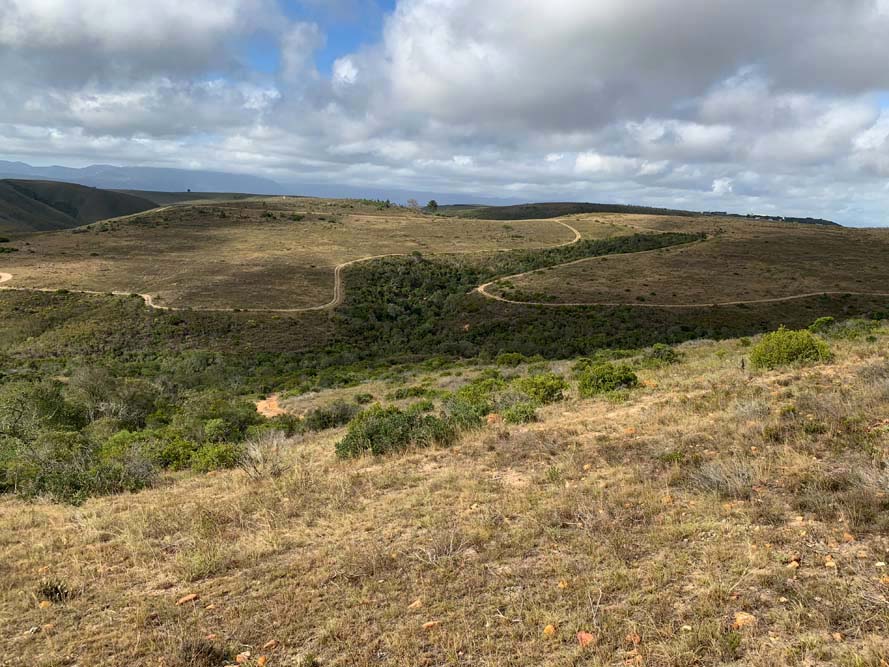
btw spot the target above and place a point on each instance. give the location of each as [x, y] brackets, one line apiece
[39, 206]
[144, 178]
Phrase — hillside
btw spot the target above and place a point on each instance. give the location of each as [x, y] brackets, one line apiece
[713, 514]
[559, 209]
[39, 206]
[556, 210]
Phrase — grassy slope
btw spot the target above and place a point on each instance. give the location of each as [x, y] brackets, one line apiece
[649, 523]
[168, 198]
[47, 206]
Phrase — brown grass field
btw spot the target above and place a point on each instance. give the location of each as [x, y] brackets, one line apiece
[715, 516]
[741, 261]
[254, 254]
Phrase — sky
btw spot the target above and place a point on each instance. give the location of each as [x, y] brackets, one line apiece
[753, 106]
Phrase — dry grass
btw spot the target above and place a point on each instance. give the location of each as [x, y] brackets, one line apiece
[649, 523]
[741, 261]
[254, 253]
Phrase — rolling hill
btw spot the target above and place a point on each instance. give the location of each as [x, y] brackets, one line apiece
[546, 210]
[39, 206]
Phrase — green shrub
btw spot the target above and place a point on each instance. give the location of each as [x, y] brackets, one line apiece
[661, 355]
[216, 456]
[465, 414]
[363, 399]
[520, 413]
[66, 467]
[339, 413]
[479, 394]
[175, 453]
[421, 406]
[403, 393]
[510, 359]
[785, 346]
[381, 431]
[822, 324]
[545, 388]
[605, 378]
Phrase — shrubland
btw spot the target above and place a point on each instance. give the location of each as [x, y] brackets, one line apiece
[709, 513]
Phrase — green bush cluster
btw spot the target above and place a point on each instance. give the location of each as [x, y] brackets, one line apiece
[544, 389]
[380, 431]
[520, 413]
[605, 378]
[339, 413]
[98, 434]
[661, 355]
[510, 359]
[785, 346]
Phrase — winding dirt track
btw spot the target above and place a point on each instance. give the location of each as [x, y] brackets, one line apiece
[483, 290]
[339, 291]
[339, 287]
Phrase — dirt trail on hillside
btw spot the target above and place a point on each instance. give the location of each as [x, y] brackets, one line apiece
[339, 291]
[270, 407]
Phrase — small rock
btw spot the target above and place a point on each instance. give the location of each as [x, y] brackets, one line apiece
[743, 620]
[431, 624]
[585, 639]
[549, 631]
[271, 645]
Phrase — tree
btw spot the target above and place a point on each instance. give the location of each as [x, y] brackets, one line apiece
[432, 206]
[413, 203]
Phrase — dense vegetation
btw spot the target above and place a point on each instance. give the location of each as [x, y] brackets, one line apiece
[559, 209]
[783, 347]
[100, 393]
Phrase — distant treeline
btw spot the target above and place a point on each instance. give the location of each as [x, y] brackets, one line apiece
[543, 211]
[779, 218]
[558, 209]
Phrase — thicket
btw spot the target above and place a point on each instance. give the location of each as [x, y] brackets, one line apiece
[604, 378]
[785, 346]
[97, 434]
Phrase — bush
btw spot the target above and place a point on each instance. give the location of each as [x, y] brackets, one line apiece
[520, 413]
[544, 389]
[511, 359]
[403, 393]
[465, 414]
[661, 355]
[381, 431]
[363, 399]
[479, 394]
[784, 346]
[174, 453]
[66, 467]
[822, 325]
[605, 378]
[216, 456]
[338, 413]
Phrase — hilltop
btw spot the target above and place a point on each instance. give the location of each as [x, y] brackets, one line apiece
[40, 206]
[558, 209]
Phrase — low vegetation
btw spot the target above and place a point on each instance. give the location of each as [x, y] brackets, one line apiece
[784, 347]
[717, 513]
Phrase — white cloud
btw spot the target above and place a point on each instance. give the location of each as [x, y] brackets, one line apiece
[344, 71]
[709, 104]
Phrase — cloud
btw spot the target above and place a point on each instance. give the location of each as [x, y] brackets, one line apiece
[699, 103]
